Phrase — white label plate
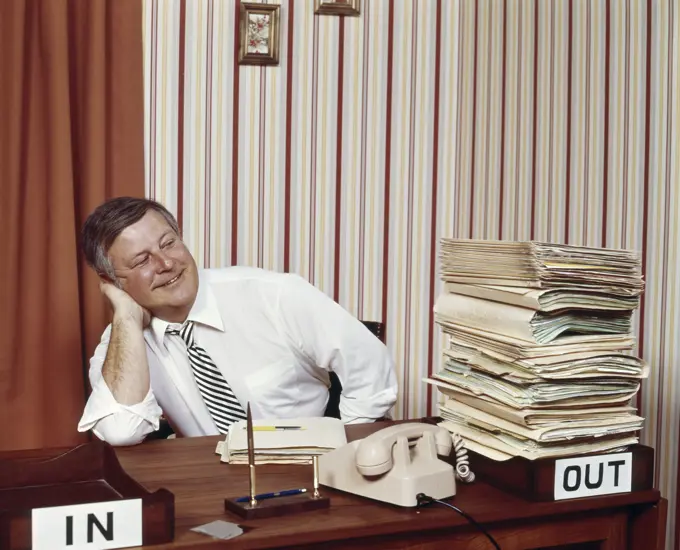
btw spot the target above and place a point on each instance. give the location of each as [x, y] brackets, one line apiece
[588, 476]
[115, 524]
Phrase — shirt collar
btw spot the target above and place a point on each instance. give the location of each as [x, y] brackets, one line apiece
[204, 311]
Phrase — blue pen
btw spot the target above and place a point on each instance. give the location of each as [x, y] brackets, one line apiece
[264, 496]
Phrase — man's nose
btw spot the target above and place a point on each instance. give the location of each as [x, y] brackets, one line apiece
[164, 262]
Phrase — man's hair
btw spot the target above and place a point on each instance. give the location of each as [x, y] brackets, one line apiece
[108, 220]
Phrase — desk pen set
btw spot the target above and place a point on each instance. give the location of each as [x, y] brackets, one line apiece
[278, 503]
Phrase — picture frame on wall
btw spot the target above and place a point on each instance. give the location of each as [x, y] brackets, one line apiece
[337, 7]
[259, 34]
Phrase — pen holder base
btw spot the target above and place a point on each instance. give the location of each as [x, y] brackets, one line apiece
[279, 506]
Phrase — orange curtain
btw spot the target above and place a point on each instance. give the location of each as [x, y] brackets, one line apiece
[71, 135]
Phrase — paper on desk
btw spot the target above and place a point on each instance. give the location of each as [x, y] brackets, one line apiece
[527, 324]
[319, 436]
[239, 458]
[551, 299]
[219, 529]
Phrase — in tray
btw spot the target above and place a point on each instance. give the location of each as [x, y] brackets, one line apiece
[84, 474]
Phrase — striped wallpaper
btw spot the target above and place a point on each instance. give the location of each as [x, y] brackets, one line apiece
[378, 134]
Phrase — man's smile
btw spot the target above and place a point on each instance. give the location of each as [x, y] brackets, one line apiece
[171, 281]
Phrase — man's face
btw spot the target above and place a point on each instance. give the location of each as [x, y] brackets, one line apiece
[155, 268]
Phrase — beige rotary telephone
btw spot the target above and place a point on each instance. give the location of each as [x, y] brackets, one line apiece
[397, 463]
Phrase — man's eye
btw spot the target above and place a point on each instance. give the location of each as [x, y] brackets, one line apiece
[168, 243]
[142, 262]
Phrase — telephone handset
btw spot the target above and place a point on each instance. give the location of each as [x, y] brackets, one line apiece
[374, 454]
[397, 463]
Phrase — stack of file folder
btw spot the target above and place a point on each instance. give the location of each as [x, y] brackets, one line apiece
[283, 441]
[537, 360]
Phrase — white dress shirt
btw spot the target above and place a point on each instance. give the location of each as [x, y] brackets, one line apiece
[274, 336]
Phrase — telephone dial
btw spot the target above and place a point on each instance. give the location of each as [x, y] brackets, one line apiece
[397, 463]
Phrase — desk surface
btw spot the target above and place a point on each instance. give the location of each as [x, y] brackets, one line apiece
[191, 470]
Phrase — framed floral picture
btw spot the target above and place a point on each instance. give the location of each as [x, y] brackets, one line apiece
[259, 34]
[337, 7]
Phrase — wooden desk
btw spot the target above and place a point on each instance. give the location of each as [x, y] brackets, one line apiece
[192, 471]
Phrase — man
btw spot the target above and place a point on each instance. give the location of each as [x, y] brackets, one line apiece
[197, 345]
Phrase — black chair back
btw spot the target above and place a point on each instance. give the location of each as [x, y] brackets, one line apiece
[333, 406]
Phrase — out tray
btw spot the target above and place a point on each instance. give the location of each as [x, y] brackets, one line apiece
[84, 474]
[535, 479]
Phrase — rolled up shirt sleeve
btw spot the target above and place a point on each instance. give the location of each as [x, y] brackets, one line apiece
[109, 420]
[336, 341]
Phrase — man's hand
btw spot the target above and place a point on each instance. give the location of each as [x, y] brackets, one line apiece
[125, 369]
[124, 307]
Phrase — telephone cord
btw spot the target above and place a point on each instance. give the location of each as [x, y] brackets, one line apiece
[424, 500]
[463, 472]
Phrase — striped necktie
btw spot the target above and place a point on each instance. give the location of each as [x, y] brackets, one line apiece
[216, 392]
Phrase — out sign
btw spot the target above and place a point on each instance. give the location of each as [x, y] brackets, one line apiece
[593, 475]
